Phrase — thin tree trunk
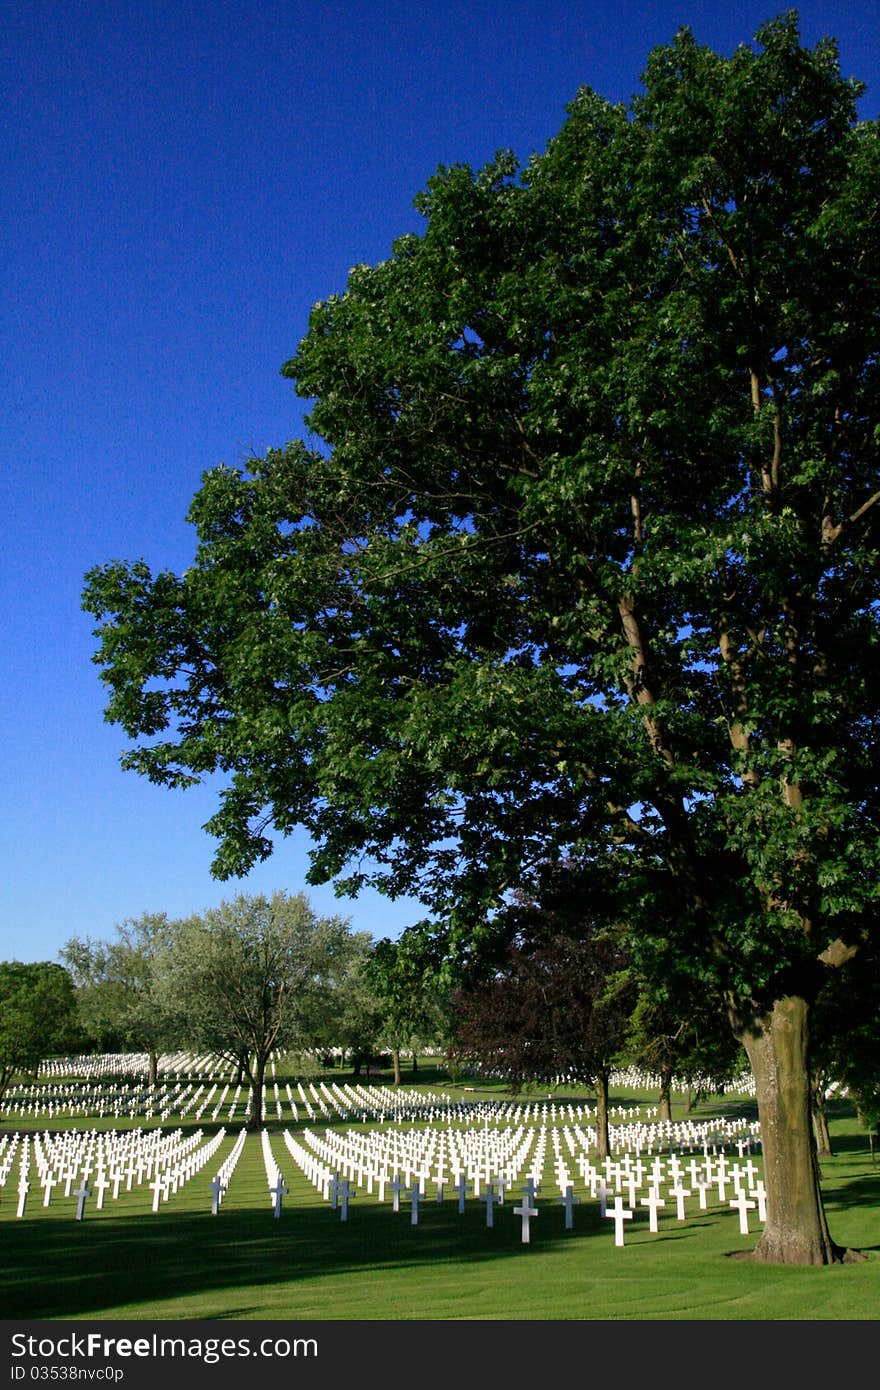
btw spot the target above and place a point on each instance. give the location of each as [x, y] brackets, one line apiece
[395, 1057]
[666, 1095]
[257, 1078]
[821, 1131]
[603, 1142]
[796, 1229]
[153, 1065]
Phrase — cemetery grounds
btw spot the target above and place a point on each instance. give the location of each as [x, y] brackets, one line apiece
[355, 1200]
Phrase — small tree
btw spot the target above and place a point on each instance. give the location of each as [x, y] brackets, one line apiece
[686, 1039]
[406, 994]
[117, 992]
[249, 977]
[557, 1002]
[37, 1016]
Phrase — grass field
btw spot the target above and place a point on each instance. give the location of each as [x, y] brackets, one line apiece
[127, 1263]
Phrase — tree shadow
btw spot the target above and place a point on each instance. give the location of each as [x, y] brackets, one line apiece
[54, 1269]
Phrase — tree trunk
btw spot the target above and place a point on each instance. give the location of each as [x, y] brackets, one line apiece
[820, 1124]
[395, 1057]
[415, 1065]
[796, 1230]
[666, 1094]
[603, 1142]
[257, 1078]
[243, 1068]
[153, 1068]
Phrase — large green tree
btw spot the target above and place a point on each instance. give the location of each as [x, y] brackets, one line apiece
[587, 563]
[38, 1016]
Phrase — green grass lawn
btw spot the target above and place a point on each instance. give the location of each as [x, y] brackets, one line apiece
[127, 1263]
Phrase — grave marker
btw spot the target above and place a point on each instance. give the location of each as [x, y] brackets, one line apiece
[414, 1194]
[744, 1206]
[81, 1194]
[618, 1216]
[569, 1201]
[346, 1191]
[526, 1212]
[278, 1191]
[490, 1197]
[652, 1202]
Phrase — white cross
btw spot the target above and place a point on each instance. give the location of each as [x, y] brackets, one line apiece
[345, 1192]
[569, 1201]
[526, 1211]
[462, 1187]
[156, 1187]
[218, 1187]
[759, 1193]
[652, 1202]
[24, 1188]
[722, 1177]
[81, 1195]
[679, 1193]
[618, 1216]
[702, 1185]
[742, 1203]
[278, 1191]
[490, 1197]
[414, 1194]
[396, 1187]
[48, 1183]
[334, 1189]
[101, 1183]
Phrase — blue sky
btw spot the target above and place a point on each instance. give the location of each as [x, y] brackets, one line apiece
[180, 183]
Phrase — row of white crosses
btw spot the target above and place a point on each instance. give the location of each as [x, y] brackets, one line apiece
[274, 1176]
[163, 1162]
[432, 1155]
[648, 1181]
[223, 1176]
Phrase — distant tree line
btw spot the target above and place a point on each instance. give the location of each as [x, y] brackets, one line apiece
[552, 991]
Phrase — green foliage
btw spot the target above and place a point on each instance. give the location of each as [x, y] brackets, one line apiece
[586, 564]
[408, 994]
[252, 976]
[37, 1016]
[118, 1003]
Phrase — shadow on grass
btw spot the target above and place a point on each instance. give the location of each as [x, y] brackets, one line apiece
[55, 1269]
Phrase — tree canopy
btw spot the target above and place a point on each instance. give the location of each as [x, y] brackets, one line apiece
[583, 562]
[118, 1003]
[37, 1015]
[250, 976]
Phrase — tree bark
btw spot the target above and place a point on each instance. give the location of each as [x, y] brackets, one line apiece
[153, 1064]
[820, 1124]
[666, 1094]
[603, 1142]
[395, 1057]
[257, 1078]
[796, 1229]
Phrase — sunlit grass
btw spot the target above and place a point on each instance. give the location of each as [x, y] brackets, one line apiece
[126, 1262]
